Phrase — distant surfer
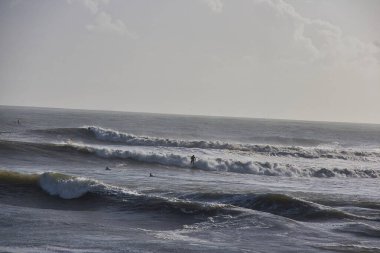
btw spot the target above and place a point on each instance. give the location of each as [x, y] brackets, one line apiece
[192, 159]
[150, 175]
[18, 122]
[107, 168]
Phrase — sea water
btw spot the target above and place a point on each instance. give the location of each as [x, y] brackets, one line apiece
[256, 185]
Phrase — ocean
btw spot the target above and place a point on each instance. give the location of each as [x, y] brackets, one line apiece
[79, 181]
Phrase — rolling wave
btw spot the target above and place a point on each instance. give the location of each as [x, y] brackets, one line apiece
[110, 135]
[230, 165]
[70, 187]
[56, 184]
[178, 159]
[292, 151]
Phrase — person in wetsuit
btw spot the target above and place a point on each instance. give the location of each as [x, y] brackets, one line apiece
[192, 159]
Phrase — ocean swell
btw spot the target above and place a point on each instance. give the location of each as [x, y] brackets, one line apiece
[287, 206]
[70, 187]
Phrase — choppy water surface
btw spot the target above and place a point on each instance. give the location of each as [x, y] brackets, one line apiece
[255, 186]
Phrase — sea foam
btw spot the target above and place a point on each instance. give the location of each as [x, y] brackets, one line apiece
[67, 187]
[270, 150]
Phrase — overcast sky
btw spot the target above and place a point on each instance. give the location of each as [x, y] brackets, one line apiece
[310, 60]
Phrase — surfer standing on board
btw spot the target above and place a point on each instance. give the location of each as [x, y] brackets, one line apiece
[192, 159]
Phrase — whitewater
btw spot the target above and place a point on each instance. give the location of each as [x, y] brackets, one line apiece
[256, 185]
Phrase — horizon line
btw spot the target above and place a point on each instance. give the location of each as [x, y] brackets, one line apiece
[192, 115]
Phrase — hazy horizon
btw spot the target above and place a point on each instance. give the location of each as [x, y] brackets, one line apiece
[187, 115]
[275, 59]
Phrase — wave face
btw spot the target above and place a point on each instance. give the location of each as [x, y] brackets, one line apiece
[53, 183]
[67, 187]
[70, 187]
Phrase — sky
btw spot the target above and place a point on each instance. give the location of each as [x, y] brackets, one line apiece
[287, 59]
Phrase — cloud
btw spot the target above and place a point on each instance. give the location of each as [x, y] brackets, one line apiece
[104, 22]
[93, 5]
[321, 40]
[214, 5]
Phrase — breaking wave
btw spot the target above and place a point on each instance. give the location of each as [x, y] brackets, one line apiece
[55, 184]
[230, 165]
[70, 187]
[177, 159]
[95, 133]
[110, 135]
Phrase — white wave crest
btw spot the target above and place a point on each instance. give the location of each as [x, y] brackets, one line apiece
[270, 150]
[134, 140]
[66, 187]
[230, 165]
